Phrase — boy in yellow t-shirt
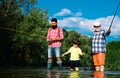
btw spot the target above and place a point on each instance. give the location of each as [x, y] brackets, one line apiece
[74, 52]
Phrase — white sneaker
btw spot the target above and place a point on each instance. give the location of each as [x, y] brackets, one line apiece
[71, 69]
[76, 68]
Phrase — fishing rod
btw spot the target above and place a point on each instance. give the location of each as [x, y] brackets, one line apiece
[114, 15]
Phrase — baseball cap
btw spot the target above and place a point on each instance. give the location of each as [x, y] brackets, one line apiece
[96, 23]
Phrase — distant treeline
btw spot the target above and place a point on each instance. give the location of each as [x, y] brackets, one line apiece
[23, 29]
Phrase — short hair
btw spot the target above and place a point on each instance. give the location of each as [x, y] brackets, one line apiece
[76, 42]
[54, 19]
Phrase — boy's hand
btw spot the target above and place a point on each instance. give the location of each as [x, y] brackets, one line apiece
[62, 55]
[83, 54]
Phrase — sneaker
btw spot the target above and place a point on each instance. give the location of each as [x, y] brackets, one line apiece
[71, 69]
[76, 68]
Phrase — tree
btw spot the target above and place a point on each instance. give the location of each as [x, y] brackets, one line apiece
[11, 15]
[30, 42]
[113, 55]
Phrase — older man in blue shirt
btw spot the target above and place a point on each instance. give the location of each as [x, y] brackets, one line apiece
[99, 46]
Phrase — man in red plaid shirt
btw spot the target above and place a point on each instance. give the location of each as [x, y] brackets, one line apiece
[54, 38]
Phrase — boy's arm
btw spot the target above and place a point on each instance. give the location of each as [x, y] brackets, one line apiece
[65, 53]
[82, 54]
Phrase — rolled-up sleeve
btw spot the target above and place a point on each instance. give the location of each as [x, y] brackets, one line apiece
[61, 33]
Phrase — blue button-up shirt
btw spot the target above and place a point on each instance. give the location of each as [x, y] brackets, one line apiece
[99, 42]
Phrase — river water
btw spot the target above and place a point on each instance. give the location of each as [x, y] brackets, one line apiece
[55, 73]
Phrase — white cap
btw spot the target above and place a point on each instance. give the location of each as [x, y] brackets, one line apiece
[97, 23]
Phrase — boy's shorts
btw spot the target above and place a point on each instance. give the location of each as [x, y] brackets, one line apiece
[99, 59]
[74, 64]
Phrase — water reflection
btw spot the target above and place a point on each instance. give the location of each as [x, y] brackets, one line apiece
[54, 74]
[60, 74]
[74, 74]
[98, 74]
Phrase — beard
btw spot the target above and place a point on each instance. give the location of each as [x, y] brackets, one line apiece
[54, 27]
[97, 30]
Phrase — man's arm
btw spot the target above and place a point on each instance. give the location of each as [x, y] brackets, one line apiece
[61, 35]
[108, 32]
[56, 39]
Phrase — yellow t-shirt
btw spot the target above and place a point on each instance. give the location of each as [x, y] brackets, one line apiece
[75, 53]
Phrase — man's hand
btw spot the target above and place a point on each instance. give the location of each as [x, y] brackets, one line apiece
[49, 39]
[108, 32]
[55, 39]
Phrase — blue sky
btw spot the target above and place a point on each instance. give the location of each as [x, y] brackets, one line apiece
[80, 15]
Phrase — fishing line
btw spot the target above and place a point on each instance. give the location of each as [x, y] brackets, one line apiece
[114, 15]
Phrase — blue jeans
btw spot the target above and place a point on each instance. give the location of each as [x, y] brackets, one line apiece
[54, 51]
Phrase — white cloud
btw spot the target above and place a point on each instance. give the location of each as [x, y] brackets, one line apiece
[87, 24]
[84, 25]
[63, 12]
[78, 14]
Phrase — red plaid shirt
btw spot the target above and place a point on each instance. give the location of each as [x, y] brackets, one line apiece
[55, 33]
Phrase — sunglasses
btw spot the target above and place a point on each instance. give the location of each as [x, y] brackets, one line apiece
[96, 26]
